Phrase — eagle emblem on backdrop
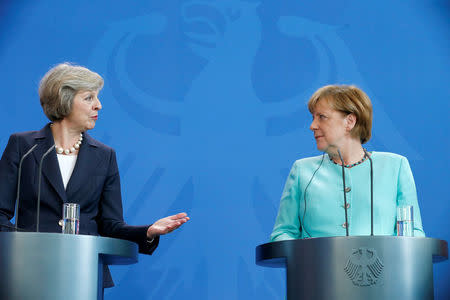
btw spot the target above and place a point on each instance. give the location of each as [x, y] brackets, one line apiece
[364, 267]
[206, 78]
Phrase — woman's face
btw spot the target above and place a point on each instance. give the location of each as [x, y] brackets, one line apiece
[330, 127]
[84, 112]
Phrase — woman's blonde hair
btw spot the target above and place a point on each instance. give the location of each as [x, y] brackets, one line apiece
[59, 86]
[348, 99]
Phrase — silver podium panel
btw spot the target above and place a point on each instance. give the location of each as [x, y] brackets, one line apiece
[58, 266]
[356, 267]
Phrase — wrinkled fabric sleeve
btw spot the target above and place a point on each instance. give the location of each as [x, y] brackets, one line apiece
[287, 224]
[407, 195]
[8, 182]
[110, 218]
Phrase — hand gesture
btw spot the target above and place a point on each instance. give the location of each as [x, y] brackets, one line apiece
[166, 225]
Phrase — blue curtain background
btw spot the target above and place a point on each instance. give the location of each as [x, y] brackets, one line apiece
[204, 102]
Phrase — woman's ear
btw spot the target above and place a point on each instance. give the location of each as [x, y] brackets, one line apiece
[351, 121]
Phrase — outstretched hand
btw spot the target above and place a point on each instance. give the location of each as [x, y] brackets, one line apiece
[166, 225]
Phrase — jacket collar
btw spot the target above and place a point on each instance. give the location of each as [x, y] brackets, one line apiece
[46, 133]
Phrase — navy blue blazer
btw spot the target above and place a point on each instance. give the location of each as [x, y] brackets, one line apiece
[94, 185]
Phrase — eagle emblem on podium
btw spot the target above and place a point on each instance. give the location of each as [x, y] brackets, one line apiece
[364, 267]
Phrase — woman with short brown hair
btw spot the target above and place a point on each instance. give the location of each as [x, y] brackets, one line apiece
[313, 202]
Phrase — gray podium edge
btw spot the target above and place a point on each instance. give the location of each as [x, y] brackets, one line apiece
[316, 267]
[58, 266]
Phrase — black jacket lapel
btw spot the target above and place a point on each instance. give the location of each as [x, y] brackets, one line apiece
[50, 165]
[87, 161]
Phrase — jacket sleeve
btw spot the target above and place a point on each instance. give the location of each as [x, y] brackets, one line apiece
[407, 194]
[287, 225]
[110, 218]
[8, 182]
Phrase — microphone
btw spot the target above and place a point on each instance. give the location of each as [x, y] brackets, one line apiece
[371, 191]
[39, 186]
[345, 196]
[16, 209]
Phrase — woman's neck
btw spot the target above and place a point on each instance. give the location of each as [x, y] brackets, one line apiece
[351, 152]
[64, 136]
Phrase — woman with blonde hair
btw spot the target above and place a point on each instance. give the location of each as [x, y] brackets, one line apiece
[330, 195]
[78, 168]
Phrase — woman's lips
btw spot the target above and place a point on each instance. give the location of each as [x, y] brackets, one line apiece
[94, 117]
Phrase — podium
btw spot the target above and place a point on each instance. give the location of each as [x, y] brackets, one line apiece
[58, 266]
[356, 267]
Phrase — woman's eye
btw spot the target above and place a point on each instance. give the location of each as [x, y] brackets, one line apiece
[322, 117]
[89, 98]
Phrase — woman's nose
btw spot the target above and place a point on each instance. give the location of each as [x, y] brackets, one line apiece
[98, 104]
[313, 125]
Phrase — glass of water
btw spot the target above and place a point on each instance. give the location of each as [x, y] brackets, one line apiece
[405, 220]
[71, 218]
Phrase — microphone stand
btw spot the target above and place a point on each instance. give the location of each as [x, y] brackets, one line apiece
[39, 186]
[371, 191]
[19, 175]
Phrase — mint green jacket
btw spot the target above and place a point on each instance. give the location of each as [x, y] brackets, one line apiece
[320, 211]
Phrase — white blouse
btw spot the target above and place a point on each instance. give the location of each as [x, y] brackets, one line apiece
[66, 166]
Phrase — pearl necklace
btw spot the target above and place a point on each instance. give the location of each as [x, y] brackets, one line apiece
[72, 149]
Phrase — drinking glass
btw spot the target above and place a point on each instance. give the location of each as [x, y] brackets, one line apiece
[71, 218]
[405, 221]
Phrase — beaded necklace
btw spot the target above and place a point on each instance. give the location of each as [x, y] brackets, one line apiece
[355, 164]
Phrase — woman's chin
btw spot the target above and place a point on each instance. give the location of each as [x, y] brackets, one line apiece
[90, 126]
[321, 147]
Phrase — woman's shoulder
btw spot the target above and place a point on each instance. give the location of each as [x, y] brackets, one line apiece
[32, 134]
[25, 136]
[96, 143]
[309, 161]
[387, 156]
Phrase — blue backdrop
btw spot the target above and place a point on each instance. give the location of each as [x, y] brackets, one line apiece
[204, 102]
